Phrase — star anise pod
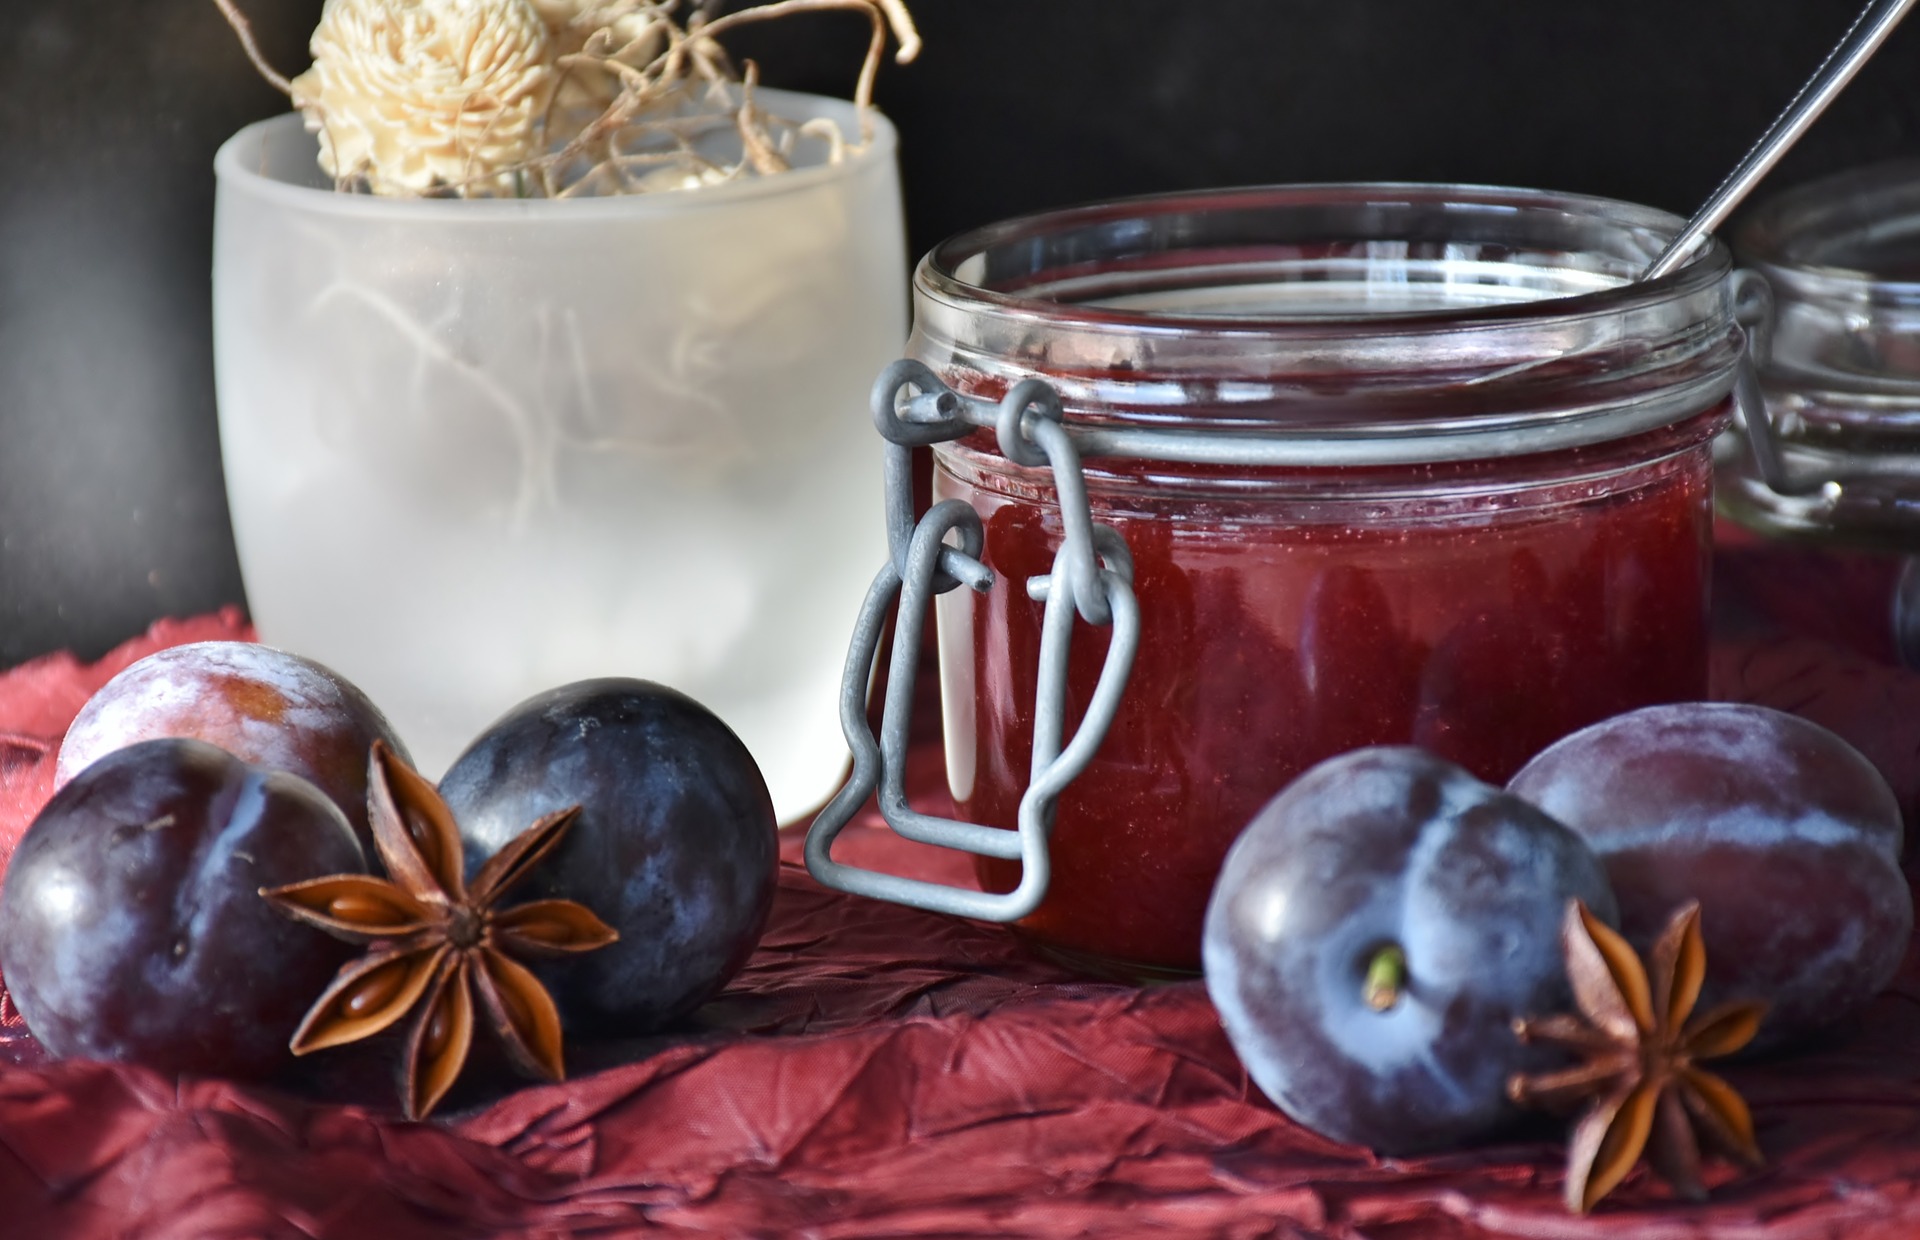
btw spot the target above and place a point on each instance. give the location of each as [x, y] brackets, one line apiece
[1639, 1054]
[437, 941]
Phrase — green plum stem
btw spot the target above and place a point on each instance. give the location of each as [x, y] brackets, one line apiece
[1386, 977]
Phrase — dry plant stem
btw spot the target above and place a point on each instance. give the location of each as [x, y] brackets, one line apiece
[753, 135]
[875, 10]
[903, 30]
[640, 89]
[244, 29]
[825, 130]
[470, 176]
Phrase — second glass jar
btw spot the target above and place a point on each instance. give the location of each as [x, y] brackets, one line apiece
[1491, 526]
[1837, 362]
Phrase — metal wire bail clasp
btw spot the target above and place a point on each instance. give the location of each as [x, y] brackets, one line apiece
[1091, 580]
[1753, 310]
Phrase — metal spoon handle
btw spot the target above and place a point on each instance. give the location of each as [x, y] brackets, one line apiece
[1863, 38]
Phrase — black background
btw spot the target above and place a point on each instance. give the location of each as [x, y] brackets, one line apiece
[111, 504]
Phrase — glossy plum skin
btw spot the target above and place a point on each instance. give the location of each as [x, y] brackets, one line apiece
[1388, 846]
[131, 925]
[1787, 836]
[262, 705]
[675, 846]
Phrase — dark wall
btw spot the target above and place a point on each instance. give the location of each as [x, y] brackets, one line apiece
[111, 505]
[112, 510]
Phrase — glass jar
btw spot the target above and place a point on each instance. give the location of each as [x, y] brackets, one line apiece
[1491, 525]
[1838, 353]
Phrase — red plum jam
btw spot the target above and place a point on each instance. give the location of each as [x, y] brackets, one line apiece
[1395, 464]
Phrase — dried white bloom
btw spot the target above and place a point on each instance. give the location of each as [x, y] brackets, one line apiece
[627, 14]
[632, 32]
[551, 98]
[415, 94]
[557, 13]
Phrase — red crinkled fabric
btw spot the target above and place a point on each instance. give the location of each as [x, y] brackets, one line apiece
[39, 699]
[878, 1071]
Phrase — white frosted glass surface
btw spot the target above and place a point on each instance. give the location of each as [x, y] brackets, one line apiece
[478, 449]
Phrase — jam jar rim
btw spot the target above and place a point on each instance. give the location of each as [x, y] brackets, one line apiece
[936, 273]
[1774, 238]
[1472, 380]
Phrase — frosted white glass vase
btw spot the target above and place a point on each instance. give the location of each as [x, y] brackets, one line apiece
[477, 449]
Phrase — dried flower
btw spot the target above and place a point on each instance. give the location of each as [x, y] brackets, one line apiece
[553, 98]
[626, 19]
[418, 95]
[591, 36]
[557, 13]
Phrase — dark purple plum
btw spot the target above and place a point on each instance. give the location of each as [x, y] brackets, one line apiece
[675, 846]
[1787, 836]
[1376, 930]
[131, 924]
[262, 705]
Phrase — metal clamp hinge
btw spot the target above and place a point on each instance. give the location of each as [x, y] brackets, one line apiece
[1091, 580]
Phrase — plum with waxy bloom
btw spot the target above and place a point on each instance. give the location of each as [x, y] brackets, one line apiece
[1786, 835]
[1374, 934]
[262, 705]
[675, 847]
[131, 924]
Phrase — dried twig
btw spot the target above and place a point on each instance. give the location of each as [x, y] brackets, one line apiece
[876, 10]
[244, 28]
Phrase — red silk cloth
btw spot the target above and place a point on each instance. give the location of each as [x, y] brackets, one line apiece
[881, 1071]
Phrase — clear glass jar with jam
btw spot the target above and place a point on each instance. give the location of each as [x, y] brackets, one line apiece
[1395, 464]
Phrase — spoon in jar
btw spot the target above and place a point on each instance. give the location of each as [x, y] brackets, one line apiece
[1862, 39]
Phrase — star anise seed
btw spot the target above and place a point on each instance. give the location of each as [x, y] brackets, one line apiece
[435, 941]
[1637, 1053]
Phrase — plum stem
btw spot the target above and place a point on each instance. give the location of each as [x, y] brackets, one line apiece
[1386, 977]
